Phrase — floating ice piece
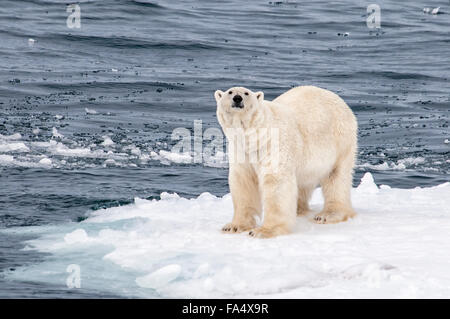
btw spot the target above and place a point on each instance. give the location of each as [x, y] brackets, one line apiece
[18, 147]
[57, 148]
[107, 141]
[400, 165]
[56, 134]
[31, 42]
[136, 151]
[13, 137]
[6, 159]
[160, 277]
[380, 167]
[432, 11]
[435, 10]
[109, 162]
[219, 159]
[166, 156]
[45, 161]
[90, 111]
[446, 141]
[411, 161]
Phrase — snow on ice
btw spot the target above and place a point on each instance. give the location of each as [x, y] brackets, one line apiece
[396, 247]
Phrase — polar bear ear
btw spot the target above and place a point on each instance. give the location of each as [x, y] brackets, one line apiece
[218, 95]
[259, 95]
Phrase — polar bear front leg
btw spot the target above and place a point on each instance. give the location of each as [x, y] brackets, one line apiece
[246, 199]
[280, 206]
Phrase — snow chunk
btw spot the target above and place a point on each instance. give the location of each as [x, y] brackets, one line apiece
[373, 273]
[367, 185]
[160, 277]
[168, 196]
[77, 236]
[202, 270]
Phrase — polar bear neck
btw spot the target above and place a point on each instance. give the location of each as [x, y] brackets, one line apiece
[252, 120]
[250, 130]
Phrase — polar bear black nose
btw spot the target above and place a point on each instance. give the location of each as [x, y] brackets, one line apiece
[237, 98]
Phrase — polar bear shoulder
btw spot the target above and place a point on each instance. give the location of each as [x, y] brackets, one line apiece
[315, 107]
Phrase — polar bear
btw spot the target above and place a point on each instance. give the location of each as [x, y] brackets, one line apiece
[316, 145]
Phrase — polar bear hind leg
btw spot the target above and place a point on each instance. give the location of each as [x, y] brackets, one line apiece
[336, 189]
[304, 195]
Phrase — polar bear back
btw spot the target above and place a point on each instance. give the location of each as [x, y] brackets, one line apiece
[319, 112]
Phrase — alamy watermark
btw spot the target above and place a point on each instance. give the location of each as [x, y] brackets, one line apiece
[74, 278]
[373, 20]
[74, 19]
[239, 146]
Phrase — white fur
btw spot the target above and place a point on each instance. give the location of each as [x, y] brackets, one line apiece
[316, 145]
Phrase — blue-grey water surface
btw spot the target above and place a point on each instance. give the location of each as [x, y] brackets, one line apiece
[136, 70]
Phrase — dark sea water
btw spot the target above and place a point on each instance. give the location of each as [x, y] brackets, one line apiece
[136, 70]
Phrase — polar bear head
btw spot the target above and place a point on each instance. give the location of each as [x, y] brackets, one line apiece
[238, 100]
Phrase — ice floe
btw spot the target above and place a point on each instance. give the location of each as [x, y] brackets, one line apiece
[173, 247]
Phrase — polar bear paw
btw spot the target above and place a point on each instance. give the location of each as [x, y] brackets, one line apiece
[332, 217]
[235, 228]
[264, 232]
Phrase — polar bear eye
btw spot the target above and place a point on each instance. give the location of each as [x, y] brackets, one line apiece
[231, 92]
[246, 93]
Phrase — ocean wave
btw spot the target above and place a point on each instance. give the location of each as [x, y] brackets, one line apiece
[131, 43]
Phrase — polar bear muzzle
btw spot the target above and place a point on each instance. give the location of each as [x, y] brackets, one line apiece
[237, 102]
